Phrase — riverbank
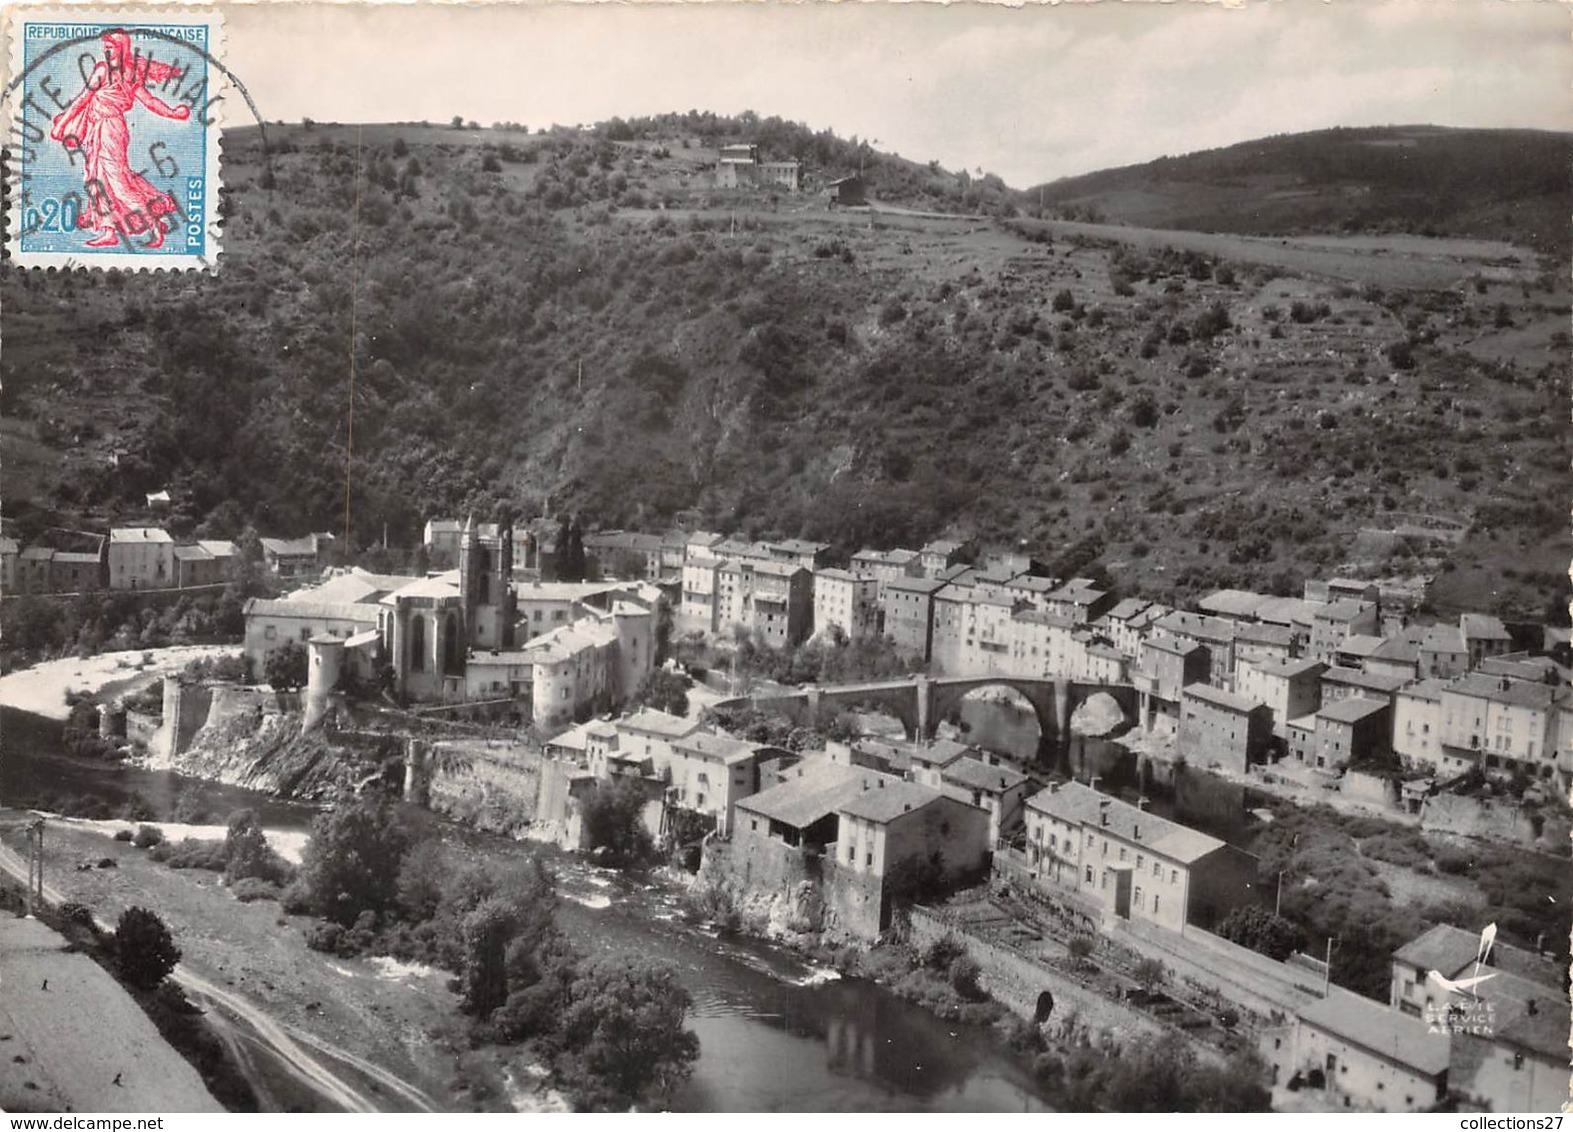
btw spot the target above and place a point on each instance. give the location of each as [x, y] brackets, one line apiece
[42, 688]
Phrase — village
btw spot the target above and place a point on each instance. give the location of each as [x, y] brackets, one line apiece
[1341, 695]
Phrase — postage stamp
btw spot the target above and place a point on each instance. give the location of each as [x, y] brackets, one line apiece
[113, 138]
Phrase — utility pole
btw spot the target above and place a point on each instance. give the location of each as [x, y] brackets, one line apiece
[1327, 968]
[35, 866]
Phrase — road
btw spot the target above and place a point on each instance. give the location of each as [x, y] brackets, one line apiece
[284, 1041]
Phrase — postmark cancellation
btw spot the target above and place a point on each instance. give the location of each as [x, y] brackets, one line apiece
[112, 137]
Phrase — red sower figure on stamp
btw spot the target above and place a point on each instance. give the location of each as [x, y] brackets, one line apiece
[121, 202]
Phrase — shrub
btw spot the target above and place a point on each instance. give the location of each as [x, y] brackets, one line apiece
[191, 854]
[1063, 301]
[939, 955]
[964, 978]
[75, 913]
[248, 889]
[147, 836]
[122, 835]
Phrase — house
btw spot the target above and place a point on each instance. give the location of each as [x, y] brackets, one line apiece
[1353, 732]
[1369, 1056]
[1336, 622]
[1397, 656]
[1329, 590]
[1289, 688]
[141, 558]
[772, 600]
[629, 553]
[1340, 683]
[907, 606]
[940, 555]
[1484, 636]
[1043, 645]
[885, 566]
[930, 760]
[1134, 864]
[297, 557]
[710, 773]
[1509, 1050]
[971, 634]
[739, 166]
[848, 602]
[1215, 635]
[1417, 727]
[1356, 650]
[887, 833]
[848, 191]
[1219, 728]
[1164, 668]
[1444, 653]
[698, 611]
[1503, 724]
[271, 622]
[1080, 600]
[998, 789]
[1452, 952]
[574, 671]
[810, 556]
[1126, 625]
[1232, 605]
[1256, 643]
[33, 570]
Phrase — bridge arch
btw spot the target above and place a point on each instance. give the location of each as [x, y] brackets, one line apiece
[1044, 696]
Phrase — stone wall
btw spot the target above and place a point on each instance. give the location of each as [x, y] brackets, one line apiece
[1017, 982]
[489, 785]
[1372, 789]
[853, 903]
[1492, 817]
[774, 887]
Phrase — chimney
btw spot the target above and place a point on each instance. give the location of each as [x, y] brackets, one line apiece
[1143, 802]
[1532, 1007]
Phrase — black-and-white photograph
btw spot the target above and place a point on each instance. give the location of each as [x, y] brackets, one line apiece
[777, 558]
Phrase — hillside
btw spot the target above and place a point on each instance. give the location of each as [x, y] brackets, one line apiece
[1492, 184]
[581, 317]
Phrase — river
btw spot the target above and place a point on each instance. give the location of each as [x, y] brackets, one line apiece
[776, 1034]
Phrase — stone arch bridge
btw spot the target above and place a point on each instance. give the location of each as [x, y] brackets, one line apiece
[920, 702]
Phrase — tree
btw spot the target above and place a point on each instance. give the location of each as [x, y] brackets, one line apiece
[1253, 926]
[144, 950]
[623, 1029]
[1148, 973]
[247, 852]
[352, 862]
[664, 690]
[286, 667]
[613, 818]
[1080, 950]
[487, 931]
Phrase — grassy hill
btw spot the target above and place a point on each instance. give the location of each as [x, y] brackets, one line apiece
[582, 317]
[1494, 184]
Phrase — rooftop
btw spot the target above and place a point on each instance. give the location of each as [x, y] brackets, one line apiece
[1375, 1027]
[1504, 690]
[835, 574]
[975, 774]
[1352, 709]
[1219, 698]
[139, 534]
[1344, 609]
[285, 607]
[1371, 681]
[940, 752]
[1232, 603]
[814, 789]
[1080, 804]
[1483, 627]
[914, 585]
[1424, 690]
[1127, 608]
[884, 803]
[716, 748]
[1361, 645]
[1290, 668]
[650, 721]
